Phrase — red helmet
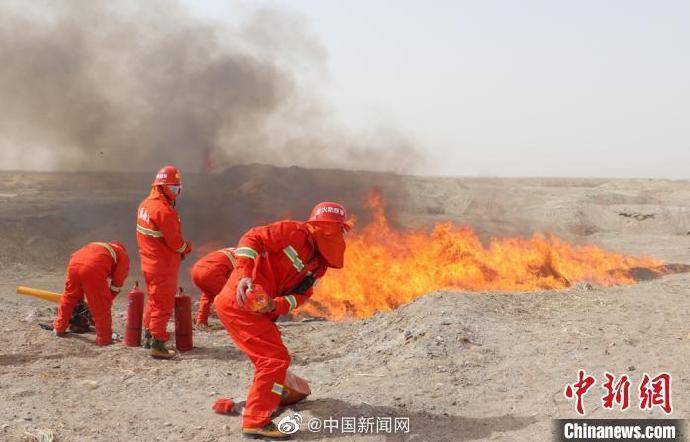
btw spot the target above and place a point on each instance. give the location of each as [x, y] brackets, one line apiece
[168, 176]
[329, 212]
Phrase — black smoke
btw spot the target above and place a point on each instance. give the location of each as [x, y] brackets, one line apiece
[131, 85]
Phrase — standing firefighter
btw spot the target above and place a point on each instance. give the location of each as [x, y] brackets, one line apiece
[161, 248]
[88, 272]
[210, 274]
[283, 260]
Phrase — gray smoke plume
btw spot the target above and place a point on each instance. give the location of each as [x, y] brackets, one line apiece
[133, 85]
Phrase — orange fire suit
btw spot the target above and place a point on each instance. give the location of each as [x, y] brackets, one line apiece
[161, 248]
[210, 274]
[87, 275]
[279, 257]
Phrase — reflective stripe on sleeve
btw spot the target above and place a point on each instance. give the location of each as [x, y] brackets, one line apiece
[246, 252]
[292, 301]
[149, 232]
[182, 249]
[291, 253]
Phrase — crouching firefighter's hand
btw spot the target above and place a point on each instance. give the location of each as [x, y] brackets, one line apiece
[243, 286]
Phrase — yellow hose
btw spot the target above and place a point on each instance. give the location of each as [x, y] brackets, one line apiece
[37, 293]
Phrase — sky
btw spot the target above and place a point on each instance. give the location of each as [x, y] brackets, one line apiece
[504, 88]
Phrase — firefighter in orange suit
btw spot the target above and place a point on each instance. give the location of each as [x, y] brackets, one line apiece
[97, 271]
[285, 259]
[161, 248]
[210, 274]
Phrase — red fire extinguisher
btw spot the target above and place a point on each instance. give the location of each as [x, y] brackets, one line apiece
[183, 322]
[135, 311]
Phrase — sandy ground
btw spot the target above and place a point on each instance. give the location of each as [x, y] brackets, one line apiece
[460, 366]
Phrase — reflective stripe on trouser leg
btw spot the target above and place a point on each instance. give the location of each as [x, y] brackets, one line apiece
[277, 389]
[271, 362]
[259, 338]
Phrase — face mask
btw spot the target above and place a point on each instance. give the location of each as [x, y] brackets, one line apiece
[175, 190]
[330, 242]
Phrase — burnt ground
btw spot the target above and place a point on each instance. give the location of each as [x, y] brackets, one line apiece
[460, 366]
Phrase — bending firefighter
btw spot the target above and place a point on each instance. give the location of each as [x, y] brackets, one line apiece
[210, 274]
[282, 262]
[161, 248]
[97, 271]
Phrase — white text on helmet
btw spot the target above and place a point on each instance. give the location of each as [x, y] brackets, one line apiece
[335, 210]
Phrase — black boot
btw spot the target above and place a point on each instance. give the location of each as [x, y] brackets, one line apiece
[147, 339]
[160, 351]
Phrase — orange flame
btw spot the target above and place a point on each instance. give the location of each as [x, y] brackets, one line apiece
[386, 268]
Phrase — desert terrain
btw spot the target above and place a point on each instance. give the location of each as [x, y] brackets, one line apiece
[459, 365]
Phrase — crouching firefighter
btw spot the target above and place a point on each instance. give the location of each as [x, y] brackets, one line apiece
[283, 260]
[97, 271]
[209, 275]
